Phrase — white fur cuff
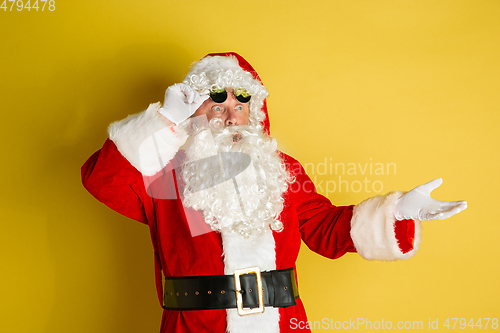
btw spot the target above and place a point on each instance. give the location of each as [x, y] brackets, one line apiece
[373, 229]
[145, 141]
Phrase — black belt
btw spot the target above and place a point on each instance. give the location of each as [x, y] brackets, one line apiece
[219, 292]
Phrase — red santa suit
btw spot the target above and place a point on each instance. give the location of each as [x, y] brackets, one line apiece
[124, 181]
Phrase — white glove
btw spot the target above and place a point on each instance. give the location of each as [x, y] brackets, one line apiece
[418, 204]
[181, 102]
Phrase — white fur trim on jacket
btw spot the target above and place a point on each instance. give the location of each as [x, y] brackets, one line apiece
[145, 141]
[372, 229]
[257, 250]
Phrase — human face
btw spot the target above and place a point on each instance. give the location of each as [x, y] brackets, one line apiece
[231, 111]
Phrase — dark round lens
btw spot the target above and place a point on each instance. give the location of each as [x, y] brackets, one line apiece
[218, 97]
[243, 99]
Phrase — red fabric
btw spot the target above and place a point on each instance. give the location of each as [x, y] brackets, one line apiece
[405, 234]
[308, 215]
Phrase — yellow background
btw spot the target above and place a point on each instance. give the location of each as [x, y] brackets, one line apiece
[415, 83]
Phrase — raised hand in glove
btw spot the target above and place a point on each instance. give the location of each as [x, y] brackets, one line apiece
[181, 102]
[418, 204]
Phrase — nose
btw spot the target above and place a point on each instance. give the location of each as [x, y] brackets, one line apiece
[231, 115]
[231, 118]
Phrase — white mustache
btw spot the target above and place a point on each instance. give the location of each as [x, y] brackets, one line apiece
[252, 204]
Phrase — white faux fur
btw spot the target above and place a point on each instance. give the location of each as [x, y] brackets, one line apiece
[257, 250]
[145, 141]
[212, 64]
[372, 229]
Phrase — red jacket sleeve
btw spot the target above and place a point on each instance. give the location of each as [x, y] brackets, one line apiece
[324, 227]
[112, 180]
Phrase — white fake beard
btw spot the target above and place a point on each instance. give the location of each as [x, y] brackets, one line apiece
[261, 185]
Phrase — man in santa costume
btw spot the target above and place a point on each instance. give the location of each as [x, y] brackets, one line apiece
[227, 211]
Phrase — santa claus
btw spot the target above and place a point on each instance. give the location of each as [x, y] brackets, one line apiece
[227, 211]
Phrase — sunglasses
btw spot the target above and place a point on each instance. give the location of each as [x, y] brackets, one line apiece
[220, 95]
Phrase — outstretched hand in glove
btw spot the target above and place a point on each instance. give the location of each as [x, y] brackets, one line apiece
[418, 204]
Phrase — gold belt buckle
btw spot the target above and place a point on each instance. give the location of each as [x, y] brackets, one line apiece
[239, 298]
